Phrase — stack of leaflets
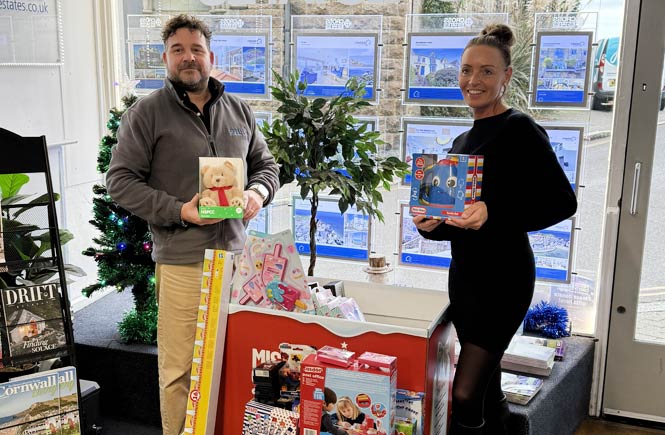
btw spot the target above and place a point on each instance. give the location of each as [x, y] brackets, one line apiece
[528, 358]
[40, 403]
[31, 324]
[265, 419]
[558, 344]
[519, 389]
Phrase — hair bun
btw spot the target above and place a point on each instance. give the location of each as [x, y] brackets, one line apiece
[501, 32]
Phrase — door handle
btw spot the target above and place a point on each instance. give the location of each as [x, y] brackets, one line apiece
[636, 188]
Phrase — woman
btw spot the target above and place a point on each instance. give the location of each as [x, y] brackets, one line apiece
[492, 273]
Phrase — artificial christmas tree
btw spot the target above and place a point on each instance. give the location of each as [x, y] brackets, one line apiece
[122, 251]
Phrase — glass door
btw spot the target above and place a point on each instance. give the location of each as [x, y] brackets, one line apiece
[635, 370]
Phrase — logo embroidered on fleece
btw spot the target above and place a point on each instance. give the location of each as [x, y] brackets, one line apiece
[237, 132]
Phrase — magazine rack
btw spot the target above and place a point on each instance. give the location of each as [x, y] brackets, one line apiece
[31, 220]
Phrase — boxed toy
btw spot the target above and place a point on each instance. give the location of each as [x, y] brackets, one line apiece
[209, 343]
[358, 399]
[444, 188]
[270, 274]
[409, 412]
[221, 183]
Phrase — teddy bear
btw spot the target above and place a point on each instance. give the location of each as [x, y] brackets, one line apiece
[219, 183]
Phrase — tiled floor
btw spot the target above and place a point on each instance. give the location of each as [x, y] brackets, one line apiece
[599, 427]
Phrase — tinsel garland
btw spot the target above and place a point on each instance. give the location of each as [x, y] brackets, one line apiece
[549, 320]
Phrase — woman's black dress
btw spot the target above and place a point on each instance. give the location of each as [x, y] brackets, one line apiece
[492, 273]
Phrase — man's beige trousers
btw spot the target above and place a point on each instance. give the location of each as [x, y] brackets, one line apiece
[178, 291]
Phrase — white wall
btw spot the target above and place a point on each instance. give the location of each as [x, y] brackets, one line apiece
[62, 103]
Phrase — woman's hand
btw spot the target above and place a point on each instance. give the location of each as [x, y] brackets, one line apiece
[473, 217]
[426, 224]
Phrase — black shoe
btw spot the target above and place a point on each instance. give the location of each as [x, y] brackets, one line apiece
[496, 419]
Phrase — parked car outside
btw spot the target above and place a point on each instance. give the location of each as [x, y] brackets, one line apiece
[604, 78]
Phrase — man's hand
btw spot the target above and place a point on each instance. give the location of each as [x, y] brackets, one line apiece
[426, 224]
[189, 213]
[473, 217]
[253, 204]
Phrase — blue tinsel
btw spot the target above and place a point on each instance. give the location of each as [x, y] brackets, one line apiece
[549, 320]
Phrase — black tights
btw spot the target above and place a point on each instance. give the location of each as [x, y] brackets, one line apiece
[477, 385]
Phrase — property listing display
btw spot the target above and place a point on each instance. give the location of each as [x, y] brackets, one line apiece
[145, 67]
[429, 136]
[344, 236]
[327, 61]
[563, 61]
[240, 63]
[262, 118]
[579, 298]
[146, 64]
[552, 249]
[567, 145]
[434, 61]
[415, 250]
[260, 222]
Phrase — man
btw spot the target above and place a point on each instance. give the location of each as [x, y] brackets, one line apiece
[154, 174]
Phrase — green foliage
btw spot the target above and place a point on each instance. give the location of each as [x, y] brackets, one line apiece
[28, 246]
[140, 326]
[123, 248]
[317, 144]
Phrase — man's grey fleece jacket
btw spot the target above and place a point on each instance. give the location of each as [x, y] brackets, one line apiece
[154, 168]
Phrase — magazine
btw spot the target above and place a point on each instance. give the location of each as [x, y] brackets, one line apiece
[32, 321]
[520, 389]
[40, 403]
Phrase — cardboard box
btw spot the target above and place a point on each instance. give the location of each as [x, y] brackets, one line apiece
[221, 183]
[403, 322]
[444, 188]
[372, 390]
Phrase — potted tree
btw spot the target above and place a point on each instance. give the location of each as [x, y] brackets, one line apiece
[319, 145]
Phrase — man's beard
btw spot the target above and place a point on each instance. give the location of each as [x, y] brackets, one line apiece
[189, 86]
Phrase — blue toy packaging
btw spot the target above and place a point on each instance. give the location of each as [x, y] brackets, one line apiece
[444, 188]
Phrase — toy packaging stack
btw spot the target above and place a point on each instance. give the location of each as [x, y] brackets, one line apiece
[329, 305]
[221, 183]
[409, 412]
[358, 398]
[209, 343]
[444, 188]
[265, 419]
[270, 274]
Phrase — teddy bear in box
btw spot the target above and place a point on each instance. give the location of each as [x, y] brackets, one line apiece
[219, 183]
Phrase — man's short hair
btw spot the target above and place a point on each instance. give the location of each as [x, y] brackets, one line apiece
[329, 396]
[187, 22]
